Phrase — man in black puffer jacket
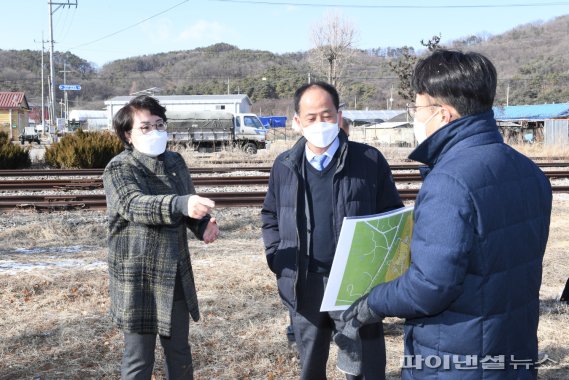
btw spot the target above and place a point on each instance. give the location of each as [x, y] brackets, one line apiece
[313, 186]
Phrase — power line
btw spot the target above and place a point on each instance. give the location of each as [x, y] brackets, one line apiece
[131, 26]
[387, 6]
[67, 24]
[223, 78]
[51, 68]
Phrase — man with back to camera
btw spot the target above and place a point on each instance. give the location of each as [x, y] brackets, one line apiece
[312, 187]
[471, 294]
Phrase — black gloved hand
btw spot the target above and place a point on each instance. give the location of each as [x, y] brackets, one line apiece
[361, 313]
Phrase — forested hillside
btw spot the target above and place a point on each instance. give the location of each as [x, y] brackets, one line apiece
[532, 62]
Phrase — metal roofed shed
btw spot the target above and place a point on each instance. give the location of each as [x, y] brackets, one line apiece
[383, 127]
[537, 112]
[88, 120]
[547, 123]
[359, 117]
[396, 133]
[239, 103]
[14, 113]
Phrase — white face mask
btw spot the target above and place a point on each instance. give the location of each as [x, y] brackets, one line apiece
[420, 129]
[321, 134]
[151, 144]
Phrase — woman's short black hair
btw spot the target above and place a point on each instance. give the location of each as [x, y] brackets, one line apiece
[124, 118]
[323, 85]
[466, 81]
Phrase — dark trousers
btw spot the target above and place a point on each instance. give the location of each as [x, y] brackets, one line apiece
[313, 332]
[138, 357]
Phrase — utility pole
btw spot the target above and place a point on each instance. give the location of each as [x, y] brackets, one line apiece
[68, 3]
[66, 104]
[42, 85]
[42, 91]
[61, 106]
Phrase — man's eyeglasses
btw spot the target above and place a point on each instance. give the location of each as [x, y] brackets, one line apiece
[147, 127]
[412, 108]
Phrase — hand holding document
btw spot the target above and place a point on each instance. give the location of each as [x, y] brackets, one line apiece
[371, 250]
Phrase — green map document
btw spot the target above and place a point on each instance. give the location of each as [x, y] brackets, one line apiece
[371, 250]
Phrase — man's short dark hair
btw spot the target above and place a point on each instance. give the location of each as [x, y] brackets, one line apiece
[323, 85]
[466, 81]
[124, 118]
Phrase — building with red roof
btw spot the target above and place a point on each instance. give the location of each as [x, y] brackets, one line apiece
[14, 109]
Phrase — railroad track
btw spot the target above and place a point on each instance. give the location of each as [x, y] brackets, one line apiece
[98, 201]
[97, 183]
[225, 199]
[203, 170]
[99, 172]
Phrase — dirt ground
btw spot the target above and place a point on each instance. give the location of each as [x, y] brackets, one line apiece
[54, 322]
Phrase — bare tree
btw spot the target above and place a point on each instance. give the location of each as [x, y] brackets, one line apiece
[403, 67]
[334, 41]
[432, 44]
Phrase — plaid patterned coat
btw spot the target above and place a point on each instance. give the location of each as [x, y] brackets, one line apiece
[148, 240]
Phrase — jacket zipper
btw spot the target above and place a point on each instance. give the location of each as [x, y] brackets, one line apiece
[341, 162]
[298, 248]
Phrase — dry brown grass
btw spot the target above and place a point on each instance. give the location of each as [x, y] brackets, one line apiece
[54, 323]
[558, 152]
[277, 146]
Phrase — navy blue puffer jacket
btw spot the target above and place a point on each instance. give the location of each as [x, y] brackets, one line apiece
[481, 227]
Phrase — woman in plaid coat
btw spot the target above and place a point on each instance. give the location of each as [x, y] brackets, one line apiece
[150, 204]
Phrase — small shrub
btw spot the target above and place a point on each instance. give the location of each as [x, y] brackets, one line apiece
[84, 150]
[13, 156]
[4, 138]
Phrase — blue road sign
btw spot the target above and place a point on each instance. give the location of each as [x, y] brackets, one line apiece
[70, 87]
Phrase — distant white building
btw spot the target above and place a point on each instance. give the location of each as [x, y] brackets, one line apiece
[238, 103]
[89, 120]
[398, 134]
[383, 127]
[358, 117]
